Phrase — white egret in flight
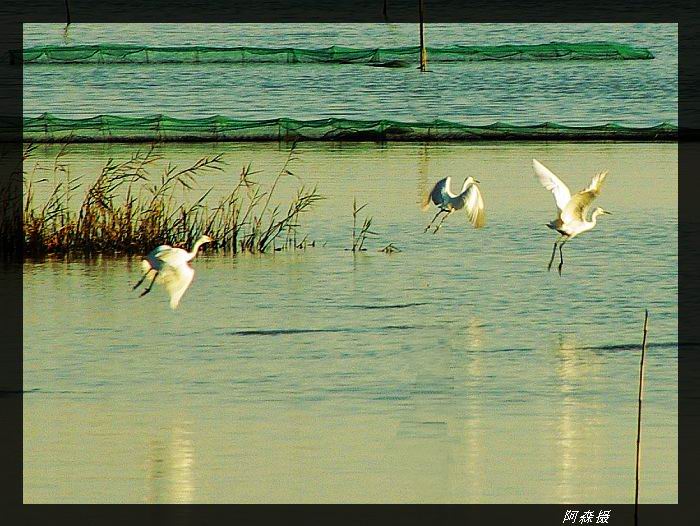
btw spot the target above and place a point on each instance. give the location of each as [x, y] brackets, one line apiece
[571, 209]
[172, 269]
[469, 198]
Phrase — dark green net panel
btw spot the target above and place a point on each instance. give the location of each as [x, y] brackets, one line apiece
[118, 54]
[109, 128]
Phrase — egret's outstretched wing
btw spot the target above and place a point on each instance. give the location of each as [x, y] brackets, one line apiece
[551, 182]
[576, 209]
[152, 255]
[596, 183]
[439, 195]
[173, 256]
[474, 205]
[176, 280]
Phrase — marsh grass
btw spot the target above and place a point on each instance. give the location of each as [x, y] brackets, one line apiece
[127, 211]
[359, 236]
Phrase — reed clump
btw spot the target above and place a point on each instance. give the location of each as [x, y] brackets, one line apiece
[360, 235]
[127, 211]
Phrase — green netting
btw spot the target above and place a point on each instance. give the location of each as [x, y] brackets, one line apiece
[116, 54]
[108, 128]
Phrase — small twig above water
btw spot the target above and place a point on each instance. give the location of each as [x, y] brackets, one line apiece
[639, 417]
[390, 249]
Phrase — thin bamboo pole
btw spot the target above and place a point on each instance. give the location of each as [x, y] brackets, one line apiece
[639, 418]
[423, 54]
[67, 13]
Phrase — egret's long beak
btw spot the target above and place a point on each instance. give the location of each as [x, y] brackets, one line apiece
[477, 181]
[606, 212]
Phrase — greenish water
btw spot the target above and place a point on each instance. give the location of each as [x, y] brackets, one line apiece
[458, 370]
[579, 93]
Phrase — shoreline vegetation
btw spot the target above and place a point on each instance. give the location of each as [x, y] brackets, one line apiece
[128, 209]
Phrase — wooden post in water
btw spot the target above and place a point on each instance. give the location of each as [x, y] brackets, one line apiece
[423, 54]
[385, 11]
[639, 417]
[65, 29]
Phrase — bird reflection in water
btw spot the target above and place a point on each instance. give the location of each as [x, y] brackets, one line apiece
[572, 370]
[473, 424]
[169, 469]
[423, 169]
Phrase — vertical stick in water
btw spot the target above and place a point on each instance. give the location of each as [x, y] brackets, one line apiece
[639, 417]
[67, 13]
[385, 11]
[423, 55]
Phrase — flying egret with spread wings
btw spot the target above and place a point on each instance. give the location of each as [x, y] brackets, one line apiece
[469, 198]
[572, 210]
[172, 269]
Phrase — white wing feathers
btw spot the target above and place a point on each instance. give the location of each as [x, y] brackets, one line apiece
[471, 200]
[474, 204]
[596, 183]
[154, 256]
[176, 280]
[551, 182]
[439, 194]
[174, 273]
[576, 209]
[172, 256]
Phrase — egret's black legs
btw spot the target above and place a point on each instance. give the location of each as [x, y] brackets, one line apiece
[433, 220]
[142, 278]
[551, 260]
[442, 221]
[150, 285]
[561, 256]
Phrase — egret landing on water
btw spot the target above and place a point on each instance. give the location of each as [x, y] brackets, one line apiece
[469, 198]
[571, 209]
[172, 269]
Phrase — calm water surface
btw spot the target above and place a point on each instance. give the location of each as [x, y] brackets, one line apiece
[633, 93]
[458, 370]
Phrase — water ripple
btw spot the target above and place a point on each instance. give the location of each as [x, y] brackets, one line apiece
[281, 332]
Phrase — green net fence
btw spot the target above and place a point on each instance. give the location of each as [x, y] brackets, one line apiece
[117, 54]
[109, 128]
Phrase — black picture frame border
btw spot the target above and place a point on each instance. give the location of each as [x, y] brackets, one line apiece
[274, 11]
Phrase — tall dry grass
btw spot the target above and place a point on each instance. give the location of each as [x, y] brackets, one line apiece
[126, 210]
